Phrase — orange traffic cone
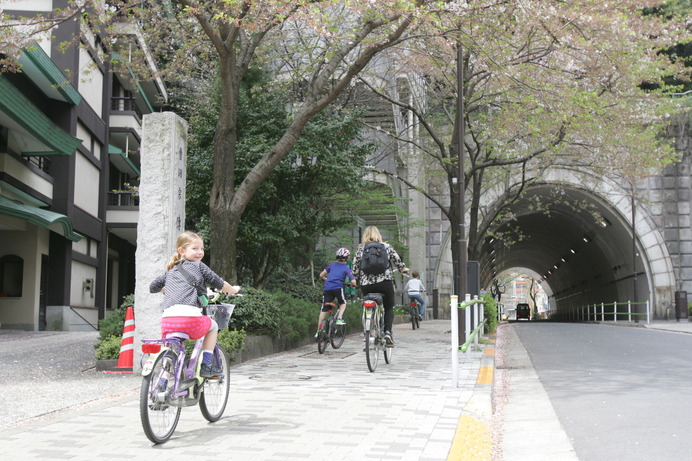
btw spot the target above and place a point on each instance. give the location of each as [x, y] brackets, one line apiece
[127, 345]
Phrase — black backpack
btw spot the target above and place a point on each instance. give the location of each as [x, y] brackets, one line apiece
[375, 259]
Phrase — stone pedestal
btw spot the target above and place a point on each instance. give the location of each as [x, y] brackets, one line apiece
[161, 215]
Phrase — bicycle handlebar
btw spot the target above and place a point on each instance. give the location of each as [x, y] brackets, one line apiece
[217, 295]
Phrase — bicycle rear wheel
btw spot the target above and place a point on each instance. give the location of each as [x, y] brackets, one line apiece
[415, 316]
[413, 312]
[387, 350]
[337, 334]
[323, 337]
[388, 354]
[214, 396]
[372, 344]
[159, 418]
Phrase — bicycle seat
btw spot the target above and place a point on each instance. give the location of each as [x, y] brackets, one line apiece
[377, 297]
[177, 335]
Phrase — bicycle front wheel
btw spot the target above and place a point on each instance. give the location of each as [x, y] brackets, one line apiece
[159, 419]
[214, 396]
[338, 333]
[323, 337]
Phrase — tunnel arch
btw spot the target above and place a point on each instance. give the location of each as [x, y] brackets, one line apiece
[573, 271]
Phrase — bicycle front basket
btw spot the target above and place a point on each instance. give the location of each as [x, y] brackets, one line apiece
[221, 312]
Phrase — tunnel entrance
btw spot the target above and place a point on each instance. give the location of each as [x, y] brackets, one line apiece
[578, 245]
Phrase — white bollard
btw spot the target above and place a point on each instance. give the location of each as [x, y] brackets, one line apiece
[455, 340]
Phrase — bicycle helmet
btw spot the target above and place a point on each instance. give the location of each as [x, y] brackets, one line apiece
[342, 253]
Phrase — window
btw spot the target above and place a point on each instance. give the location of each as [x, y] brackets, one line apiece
[11, 276]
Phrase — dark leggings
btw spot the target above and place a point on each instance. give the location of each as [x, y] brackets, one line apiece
[386, 287]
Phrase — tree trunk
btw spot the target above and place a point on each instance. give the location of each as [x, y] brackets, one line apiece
[223, 217]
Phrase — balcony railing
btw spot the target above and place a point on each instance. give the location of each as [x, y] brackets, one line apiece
[125, 104]
[43, 163]
[128, 199]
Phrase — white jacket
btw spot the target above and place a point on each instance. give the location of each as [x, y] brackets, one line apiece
[415, 287]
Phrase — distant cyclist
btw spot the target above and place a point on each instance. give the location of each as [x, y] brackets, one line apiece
[334, 276]
[372, 265]
[415, 288]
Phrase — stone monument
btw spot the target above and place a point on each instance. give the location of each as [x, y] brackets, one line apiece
[161, 215]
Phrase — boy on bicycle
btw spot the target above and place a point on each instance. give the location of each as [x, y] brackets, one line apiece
[414, 288]
[334, 276]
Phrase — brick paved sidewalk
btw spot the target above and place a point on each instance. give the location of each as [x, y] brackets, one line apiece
[294, 405]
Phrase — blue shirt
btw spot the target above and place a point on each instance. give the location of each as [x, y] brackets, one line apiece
[336, 273]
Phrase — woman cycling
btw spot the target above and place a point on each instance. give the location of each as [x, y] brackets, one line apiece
[382, 281]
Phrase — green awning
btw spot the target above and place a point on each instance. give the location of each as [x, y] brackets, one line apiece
[38, 216]
[43, 71]
[117, 57]
[28, 119]
[121, 160]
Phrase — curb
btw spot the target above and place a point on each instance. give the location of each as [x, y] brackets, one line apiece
[473, 438]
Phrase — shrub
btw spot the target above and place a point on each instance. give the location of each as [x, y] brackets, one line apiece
[257, 313]
[353, 316]
[232, 340]
[490, 310]
[113, 324]
[109, 348]
[298, 318]
[307, 293]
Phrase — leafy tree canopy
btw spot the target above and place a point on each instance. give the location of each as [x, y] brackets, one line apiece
[302, 199]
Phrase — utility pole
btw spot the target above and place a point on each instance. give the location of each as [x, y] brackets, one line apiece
[461, 189]
[461, 183]
[634, 258]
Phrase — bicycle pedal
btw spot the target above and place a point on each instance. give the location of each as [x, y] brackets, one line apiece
[186, 384]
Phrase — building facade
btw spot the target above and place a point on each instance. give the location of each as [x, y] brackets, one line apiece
[70, 128]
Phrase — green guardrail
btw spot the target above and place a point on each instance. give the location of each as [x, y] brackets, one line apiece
[464, 305]
[466, 345]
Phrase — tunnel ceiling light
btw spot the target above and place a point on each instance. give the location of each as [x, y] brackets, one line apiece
[555, 266]
[573, 251]
[564, 260]
[586, 238]
[603, 222]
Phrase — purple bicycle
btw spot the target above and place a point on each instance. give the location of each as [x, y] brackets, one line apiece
[172, 381]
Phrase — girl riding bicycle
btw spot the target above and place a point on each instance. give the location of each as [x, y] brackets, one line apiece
[184, 287]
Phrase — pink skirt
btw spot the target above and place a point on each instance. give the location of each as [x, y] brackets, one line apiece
[194, 327]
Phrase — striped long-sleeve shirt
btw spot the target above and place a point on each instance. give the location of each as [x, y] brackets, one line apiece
[179, 290]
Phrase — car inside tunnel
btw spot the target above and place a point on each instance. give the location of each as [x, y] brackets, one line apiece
[577, 246]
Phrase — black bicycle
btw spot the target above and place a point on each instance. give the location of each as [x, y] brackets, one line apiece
[413, 310]
[330, 331]
[373, 330]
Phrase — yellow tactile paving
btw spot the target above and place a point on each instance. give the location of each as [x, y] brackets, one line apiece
[489, 352]
[485, 375]
[472, 441]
